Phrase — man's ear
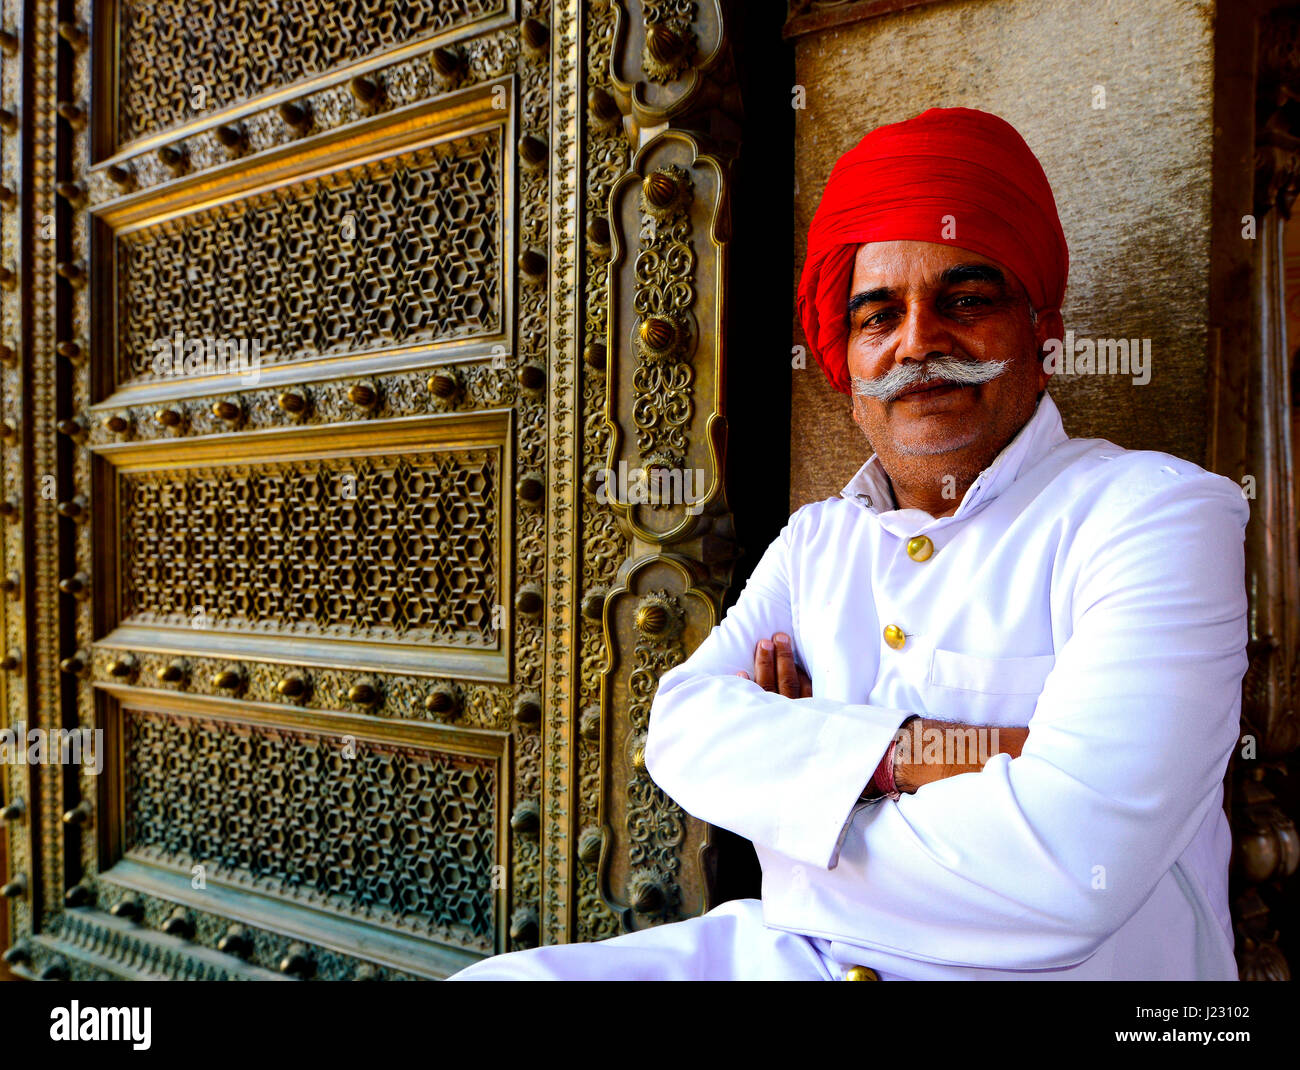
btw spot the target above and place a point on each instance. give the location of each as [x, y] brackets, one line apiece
[1049, 325]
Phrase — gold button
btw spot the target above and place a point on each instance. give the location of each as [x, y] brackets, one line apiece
[894, 636]
[861, 973]
[920, 548]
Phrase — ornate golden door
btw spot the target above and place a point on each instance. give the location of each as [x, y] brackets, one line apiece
[321, 320]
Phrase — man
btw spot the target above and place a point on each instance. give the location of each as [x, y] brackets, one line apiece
[981, 572]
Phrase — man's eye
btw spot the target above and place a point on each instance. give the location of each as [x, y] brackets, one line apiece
[973, 299]
[875, 319]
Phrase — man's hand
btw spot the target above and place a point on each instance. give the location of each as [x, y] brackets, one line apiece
[775, 670]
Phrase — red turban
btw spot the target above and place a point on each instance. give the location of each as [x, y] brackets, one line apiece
[899, 183]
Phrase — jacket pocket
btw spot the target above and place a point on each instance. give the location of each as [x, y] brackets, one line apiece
[990, 676]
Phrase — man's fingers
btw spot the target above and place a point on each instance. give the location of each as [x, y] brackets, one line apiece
[805, 686]
[743, 673]
[764, 666]
[787, 678]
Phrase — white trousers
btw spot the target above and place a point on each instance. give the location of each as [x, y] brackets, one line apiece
[729, 943]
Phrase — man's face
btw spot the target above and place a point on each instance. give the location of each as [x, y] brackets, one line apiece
[911, 301]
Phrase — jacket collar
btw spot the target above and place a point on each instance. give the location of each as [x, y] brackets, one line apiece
[870, 488]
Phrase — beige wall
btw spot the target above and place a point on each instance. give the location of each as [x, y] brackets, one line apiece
[1132, 183]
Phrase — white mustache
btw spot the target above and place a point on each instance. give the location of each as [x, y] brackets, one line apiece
[964, 372]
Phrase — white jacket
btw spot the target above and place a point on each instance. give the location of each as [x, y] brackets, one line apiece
[1093, 593]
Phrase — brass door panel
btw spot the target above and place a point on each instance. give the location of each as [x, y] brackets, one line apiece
[344, 617]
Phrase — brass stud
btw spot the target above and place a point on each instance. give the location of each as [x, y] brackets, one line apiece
[8, 121]
[56, 969]
[443, 702]
[534, 33]
[168, 417]
[232, 136]
[9, 42]
[363, 395]
[77, 585]
[117, 423]
[72, 192]
[14, 811]
[75, 34]
[529, 601]
[297, 961]
[523, 927]
[235, 941]
[603, 106]
[526, 818]
[8, 354]
[79, 815]
[660, 188]
[528, 708]
[11, 509]
[598, 230]
[589, 844]
[365, 90]
[447, 61]
[895, 636]
[532, 376]
[8, 278]
[593, 603]
[589, 724]
[178, 923]
[230, 411]
[12, 661]
[363, 694]
[79, 895]
[652, 619]
[595, 355]
[173, 157]
[171, 673]
[532, 150]
[530, 489]
[648, 897]
[444, 385]
[122, 667]
[638, 759]
[18, 955]
[295, 115]
[16, 888]
[8, 196]
[664, 44]
[74, 664]
[129, 907]
[121, 175]
[8, 431]
[73, 427]
[227, 679]
[292, 685]
[292, 402]
[12, 584]
[73, 271]
[72, 114]
[73, 509]
[657, 333]
[532, 263]
[69, 351]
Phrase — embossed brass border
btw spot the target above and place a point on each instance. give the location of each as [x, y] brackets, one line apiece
[415, 126]
[487, 428]
[350, 936]
[107, 149]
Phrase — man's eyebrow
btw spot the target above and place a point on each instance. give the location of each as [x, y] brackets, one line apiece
[952, 276]
[870, 297]
[972, 273]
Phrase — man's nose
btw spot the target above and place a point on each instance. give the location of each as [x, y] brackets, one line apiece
[921, 334]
